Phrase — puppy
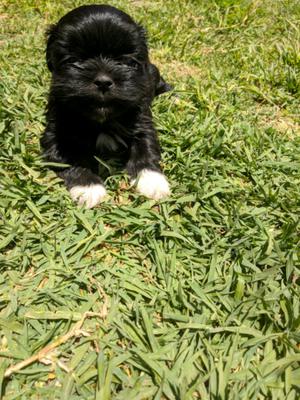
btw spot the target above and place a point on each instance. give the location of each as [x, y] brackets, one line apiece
[101, 91]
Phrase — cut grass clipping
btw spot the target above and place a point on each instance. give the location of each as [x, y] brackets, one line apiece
[193, 297]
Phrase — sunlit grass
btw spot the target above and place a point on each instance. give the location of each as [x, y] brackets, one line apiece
[194, 297]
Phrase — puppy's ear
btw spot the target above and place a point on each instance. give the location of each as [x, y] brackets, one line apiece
[161, 86]
[142, 32]
[50, 35]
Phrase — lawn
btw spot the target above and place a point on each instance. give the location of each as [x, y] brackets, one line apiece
[193, 297]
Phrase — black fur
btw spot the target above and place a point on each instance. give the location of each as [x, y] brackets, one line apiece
[101, 91]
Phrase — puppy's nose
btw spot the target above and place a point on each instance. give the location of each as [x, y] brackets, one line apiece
[103, 82]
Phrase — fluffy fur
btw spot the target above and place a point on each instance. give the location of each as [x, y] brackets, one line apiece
[99, 103]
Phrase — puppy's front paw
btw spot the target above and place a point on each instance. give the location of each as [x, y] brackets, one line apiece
[152, 184]
[89, 196]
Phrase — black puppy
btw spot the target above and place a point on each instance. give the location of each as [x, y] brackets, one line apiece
[99, 104]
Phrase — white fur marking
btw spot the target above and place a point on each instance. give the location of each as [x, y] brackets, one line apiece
[152, 184]
[89, 196]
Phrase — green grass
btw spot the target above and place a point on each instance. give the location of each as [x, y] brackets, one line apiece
[197, 296]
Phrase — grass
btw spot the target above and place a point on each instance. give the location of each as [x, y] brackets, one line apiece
[194, 297]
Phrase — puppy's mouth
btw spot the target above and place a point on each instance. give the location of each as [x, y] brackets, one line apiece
[101, 113]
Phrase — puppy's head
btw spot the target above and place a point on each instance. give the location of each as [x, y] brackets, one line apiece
[99, 62]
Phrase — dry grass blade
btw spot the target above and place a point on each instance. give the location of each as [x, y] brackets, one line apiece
[43, 353]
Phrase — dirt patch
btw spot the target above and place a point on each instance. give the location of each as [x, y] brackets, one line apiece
[280, 122]
[180, 69]
[177, 68]
[141, 3]
[284, 124]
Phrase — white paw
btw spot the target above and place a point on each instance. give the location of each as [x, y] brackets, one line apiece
[89, 196]
[152, 184]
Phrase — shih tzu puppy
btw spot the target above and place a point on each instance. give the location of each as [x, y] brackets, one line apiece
[102, 87]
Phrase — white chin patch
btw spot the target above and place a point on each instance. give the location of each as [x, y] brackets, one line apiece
[89, 196]
[152, 184]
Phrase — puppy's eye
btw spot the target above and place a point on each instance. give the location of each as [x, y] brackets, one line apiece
[72, 62]
[77, 65]
[68, 60]
[133, 64]
[129, 62]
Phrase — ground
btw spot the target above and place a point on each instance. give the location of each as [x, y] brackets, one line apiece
[196, 296]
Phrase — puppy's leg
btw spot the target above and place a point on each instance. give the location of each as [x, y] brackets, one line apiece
[85, 186]
[144, 169]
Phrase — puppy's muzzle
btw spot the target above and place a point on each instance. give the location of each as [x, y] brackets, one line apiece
[103, 82]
